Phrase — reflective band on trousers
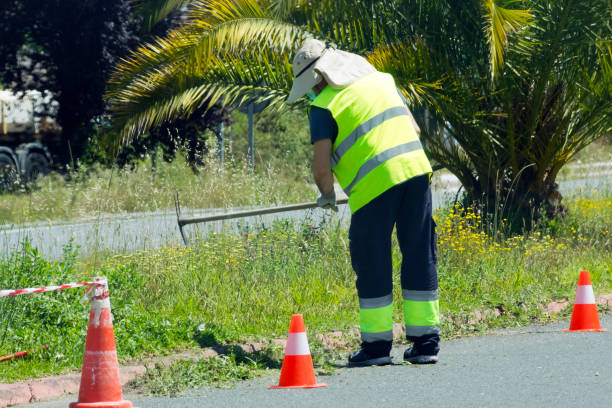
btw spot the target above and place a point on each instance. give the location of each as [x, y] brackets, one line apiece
[381, 158]
[374, 303]
[418, 331]
[420, 295]
[364, 128]
[421, 313]
[377, 315]
[372, 337]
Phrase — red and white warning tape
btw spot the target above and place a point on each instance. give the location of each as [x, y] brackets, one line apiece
[28, 291]
[98, 282]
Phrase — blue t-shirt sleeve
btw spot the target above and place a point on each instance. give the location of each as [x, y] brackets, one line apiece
[322, 125]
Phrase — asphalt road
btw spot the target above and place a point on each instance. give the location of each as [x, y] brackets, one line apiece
[531, 367]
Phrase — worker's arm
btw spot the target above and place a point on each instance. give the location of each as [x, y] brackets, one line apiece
[321, 166]
[323, 130]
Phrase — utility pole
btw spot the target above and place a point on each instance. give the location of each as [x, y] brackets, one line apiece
[220, 144]
[251, 113]
[251, 109]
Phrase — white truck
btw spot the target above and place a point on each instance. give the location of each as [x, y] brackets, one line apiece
[24, 137]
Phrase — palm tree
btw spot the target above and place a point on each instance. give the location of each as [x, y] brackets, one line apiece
[509, 90]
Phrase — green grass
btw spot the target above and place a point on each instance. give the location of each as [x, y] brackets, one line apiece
[222, 371]
[229, 289]
[175, 378]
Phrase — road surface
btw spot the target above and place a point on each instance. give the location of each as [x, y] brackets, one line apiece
[532, 367]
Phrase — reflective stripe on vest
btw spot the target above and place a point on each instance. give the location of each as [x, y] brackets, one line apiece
[365, 128]
[377, 146]
[381, 158]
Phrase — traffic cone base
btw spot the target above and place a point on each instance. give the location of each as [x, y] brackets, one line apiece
[586, 330]
[584, 314]
[114, 404]
[318, 385]
[297, 370]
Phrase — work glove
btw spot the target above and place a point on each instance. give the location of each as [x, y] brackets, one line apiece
[328, 201]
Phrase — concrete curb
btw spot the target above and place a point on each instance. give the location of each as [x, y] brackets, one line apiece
[54, 387]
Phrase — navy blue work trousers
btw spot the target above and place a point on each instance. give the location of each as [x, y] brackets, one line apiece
[408, 208]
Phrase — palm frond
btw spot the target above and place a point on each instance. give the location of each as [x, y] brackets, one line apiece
[500, 23]
[204, 14]
[286, 9]
[181, 50]
[281, 9]
[230, 80]
[356, 26]
[410, 65]
[153, 11]
[199, 29]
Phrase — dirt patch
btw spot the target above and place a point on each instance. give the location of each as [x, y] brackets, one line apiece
[481, 316]
[334, 340]
[605, 300]
[554, 308]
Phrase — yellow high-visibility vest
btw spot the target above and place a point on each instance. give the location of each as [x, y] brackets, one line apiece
[377, 146]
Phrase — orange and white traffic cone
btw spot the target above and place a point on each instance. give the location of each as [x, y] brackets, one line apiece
[100, 385]
[297, 370]
[584, 315]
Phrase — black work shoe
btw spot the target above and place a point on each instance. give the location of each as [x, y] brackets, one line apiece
[412, 356]
[361, 358]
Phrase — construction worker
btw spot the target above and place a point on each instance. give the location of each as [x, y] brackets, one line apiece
[362, 132]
